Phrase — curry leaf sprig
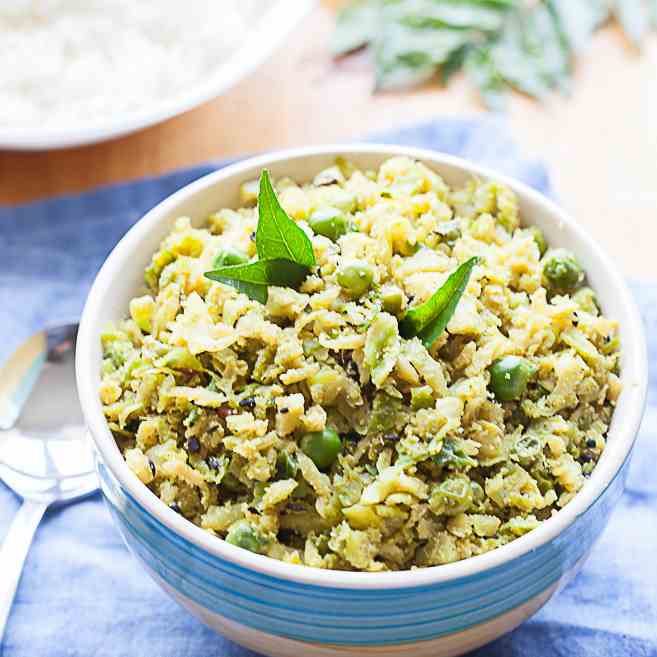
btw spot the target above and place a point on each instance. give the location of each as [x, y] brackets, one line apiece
[428, 320]
[278, 236]
[527, 45]
[285, 253]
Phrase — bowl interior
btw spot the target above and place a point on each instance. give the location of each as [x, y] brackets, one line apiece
[121, 278]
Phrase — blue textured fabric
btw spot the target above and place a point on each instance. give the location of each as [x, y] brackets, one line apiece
[82, 594]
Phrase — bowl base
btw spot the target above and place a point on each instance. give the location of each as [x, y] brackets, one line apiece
[450, 645]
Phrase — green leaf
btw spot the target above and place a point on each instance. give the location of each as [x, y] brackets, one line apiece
[481, 70]
[416, 37]
[497, 4]
[633, 17]
[531, 43]
[464, 15]
[405, 55]
[278, 236]
[454, 63]
[356, 26]
[556, 53]
[532, 55]
[580, 19]
[253, 278]
[276, 271]
[516, 66]
[428, 320]
[285, 253]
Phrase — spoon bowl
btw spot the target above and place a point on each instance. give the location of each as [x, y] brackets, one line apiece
[45, 457]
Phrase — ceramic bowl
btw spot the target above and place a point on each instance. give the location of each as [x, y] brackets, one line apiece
[283, 609]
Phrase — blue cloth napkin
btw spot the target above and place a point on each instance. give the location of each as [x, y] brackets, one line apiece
[82, 594]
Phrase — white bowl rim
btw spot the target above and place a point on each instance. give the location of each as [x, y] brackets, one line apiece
[271, 30]
[605, 471]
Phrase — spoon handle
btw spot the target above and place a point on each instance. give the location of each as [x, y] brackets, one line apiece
[13, 553]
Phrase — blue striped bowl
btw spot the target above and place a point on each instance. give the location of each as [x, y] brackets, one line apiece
[278, 608]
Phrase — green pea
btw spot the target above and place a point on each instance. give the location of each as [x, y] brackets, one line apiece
[329, 222]
[586, 299]
[244, 536]
[561, 270]
[509, 377]
[392, 299]
[539, 238]
[230, 256]
[286, 466]
[452, 496]
[356, 277]
[322, 447]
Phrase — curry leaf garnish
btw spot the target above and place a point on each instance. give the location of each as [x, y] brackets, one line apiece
[255, 291]
[527, 45]
[278, 236]
[428, 320]
[276, 271]
[285, 253]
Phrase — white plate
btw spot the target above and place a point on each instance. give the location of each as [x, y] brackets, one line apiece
[270, 31]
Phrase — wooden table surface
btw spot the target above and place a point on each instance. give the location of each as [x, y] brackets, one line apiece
[600, 144]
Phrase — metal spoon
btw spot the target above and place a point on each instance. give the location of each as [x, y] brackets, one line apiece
[44, 454]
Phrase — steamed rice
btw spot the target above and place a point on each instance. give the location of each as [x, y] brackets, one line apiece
[64, 63]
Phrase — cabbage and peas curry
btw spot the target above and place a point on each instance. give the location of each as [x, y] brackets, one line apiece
[401, 376]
